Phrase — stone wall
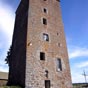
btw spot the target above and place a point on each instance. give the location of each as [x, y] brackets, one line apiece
[54, 48]
[17, 62]
[25, 67]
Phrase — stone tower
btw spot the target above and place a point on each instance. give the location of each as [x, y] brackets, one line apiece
[39, 56]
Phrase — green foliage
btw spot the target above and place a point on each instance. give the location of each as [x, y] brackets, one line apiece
[8, 55]
[10, 87]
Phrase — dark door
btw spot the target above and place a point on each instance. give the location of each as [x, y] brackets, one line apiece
[47, 83]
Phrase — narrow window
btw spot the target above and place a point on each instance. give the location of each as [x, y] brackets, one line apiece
[45, 10]
[59, 65]
[44, 0]
[42, 56]
[45, 37]
[47, 83]
[46, 73]
[44, 21]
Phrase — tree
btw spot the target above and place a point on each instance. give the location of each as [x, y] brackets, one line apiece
[8, 55]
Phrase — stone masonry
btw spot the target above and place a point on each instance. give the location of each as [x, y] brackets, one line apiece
[39, 57]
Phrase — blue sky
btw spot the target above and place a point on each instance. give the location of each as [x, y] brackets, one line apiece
[75, 20]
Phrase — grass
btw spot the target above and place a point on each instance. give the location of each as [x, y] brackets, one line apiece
[10, 87]
[80, 85]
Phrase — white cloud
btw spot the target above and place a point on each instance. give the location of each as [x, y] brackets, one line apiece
[82, 64]
[6, 19]
[6, 30]
[77, 76]
[77, 67]
[78, 52]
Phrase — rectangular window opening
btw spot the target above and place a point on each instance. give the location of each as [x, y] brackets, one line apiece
[45, 10]
[44, 21]
[47, 83]
[45, 37]
[42, 56]
[59, 65]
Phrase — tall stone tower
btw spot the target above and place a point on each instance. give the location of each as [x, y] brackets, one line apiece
[39, 56]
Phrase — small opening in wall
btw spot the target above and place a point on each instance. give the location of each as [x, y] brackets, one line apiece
[46, 73]
[42, 56]
[44, 21]
[45, 0]
[45, 37]
[59, 44]
[57, 33]
[45, 10]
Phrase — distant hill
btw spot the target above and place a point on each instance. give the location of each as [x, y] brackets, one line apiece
[3, 75]
[3, 78]
[80, 85]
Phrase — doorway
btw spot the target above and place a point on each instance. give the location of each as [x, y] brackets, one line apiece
[47, 83]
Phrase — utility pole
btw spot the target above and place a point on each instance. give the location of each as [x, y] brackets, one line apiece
[85, 75]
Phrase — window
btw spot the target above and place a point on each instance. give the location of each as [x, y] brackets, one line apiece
[47, 83]
[45, 10]
[58, 0]
[44, 0]
[42, 56]
[59, 65]
[45, 37]
[59, 44]
[44, 21]
[46, 73]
